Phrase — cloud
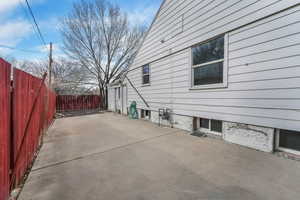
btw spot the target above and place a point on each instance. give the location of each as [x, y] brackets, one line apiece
[13, 32]
[142, 15]
[50, 24]
[7, 5]
[44, 49]
[56, 50]
[13, 28]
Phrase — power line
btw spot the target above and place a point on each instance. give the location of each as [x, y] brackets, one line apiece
[34, 20]
[30, 21]
[19, 49]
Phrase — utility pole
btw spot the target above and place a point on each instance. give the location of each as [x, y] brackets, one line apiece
[50, 66]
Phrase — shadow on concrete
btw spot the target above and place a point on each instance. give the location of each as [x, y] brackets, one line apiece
[77, 113]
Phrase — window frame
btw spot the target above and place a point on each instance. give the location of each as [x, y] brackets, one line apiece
[144, 115]
[208, 130]
[278, 147]
[225, 66]
[210, 126]
[149, 74]
[201, 118]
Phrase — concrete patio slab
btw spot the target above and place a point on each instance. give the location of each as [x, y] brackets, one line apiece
[107, 156]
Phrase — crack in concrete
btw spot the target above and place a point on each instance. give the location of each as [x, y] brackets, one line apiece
[102, 152]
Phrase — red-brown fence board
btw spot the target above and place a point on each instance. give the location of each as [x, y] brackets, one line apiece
[33, 107]
[5, 70]
[65, 103]
[51, 106]
[25, 90]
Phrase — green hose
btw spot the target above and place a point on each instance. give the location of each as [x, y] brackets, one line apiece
[133, 114]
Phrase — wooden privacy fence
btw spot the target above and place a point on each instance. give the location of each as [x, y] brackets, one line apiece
[27, 108]
[5, 71]
[66, 103]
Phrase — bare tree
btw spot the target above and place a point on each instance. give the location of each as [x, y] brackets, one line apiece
[98, 36]
[68, 77]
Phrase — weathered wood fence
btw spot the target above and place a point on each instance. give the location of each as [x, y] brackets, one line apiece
[68, 103]
[5, 71]
[27, 108]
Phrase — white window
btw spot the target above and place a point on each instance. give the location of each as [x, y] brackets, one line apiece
[146, 75]
[209, 64]
[211, 124]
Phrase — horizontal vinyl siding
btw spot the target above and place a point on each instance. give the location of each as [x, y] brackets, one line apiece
[263, 78]
[203, 19]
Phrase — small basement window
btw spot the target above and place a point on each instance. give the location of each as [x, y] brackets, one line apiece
[204, 123]
[148, 114]
[142, 113]
[146, 74]
[211, 124]
[216, 126]
[289, 140]
[145, 114]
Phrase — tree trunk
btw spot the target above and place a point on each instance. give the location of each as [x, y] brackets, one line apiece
[101, 96]
[106, 98]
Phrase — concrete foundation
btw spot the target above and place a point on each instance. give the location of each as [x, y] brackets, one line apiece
[260, 138]
[177, 121]
[183, 122]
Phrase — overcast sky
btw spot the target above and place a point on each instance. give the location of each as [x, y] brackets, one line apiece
[16, 30]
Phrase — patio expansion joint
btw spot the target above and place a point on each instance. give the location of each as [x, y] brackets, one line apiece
[102, 152]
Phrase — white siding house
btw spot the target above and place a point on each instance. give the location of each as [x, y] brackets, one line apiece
[230, 68]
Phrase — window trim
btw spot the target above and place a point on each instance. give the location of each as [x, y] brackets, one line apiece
[225, 61]
[219, 133]
[149, 74]
[143, 114]
[208, 63]
[278, 147]
[208, 130]
[200, 123]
